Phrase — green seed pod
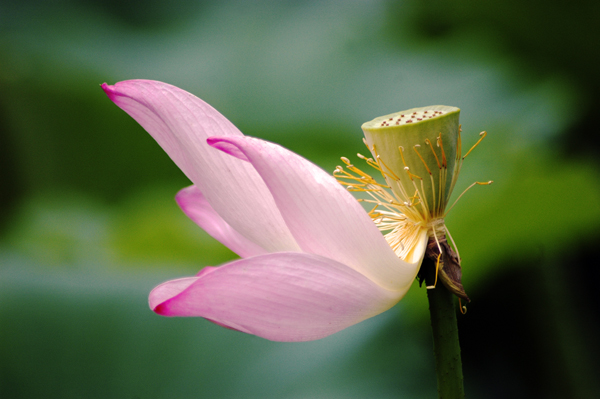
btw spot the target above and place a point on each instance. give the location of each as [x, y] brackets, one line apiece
[419, 150]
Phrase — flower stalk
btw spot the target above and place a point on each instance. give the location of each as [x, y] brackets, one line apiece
[446, 346]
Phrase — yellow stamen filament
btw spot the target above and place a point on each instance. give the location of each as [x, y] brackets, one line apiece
[439, 143]
[458, 161]
[443, 174]
[430, 175]
[482, 134]
[453, 243]
[406, 168]
[437, 263]
[422, 200]
[422, 160]
[485, 183]
[433, 151]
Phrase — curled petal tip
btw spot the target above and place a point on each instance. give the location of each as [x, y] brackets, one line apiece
[108, 90]
[161, 310]
[221, 143]
[165, 291]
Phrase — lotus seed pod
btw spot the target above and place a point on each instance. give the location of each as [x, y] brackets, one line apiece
[418, 150]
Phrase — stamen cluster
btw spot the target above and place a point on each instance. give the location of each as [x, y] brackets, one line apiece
[402, 212]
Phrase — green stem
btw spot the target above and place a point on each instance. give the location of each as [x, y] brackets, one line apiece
[446, 347]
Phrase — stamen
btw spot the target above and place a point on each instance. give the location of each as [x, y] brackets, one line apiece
[441, 174]
[463, 308]
[437, 263]
[430, 176]
[459, 161]
[459, 143]
[433, 151]
[420, 157]
[406, 168]
[380, 162]
[467, 189]
[437, 268]
[482, 134]
[436, 240]
[440, 144]
[453, 244]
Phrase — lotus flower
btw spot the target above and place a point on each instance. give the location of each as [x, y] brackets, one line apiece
[312, 260]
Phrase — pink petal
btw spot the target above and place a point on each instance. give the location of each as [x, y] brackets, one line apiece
[324, 218]
[197, 208]
[181, 123]
[282, 297]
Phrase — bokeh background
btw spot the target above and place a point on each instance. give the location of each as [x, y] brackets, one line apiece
[88, 224]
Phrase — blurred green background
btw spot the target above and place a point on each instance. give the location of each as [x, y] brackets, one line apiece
[88, 224]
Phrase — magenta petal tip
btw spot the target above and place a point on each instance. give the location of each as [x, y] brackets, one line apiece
[108, 90]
